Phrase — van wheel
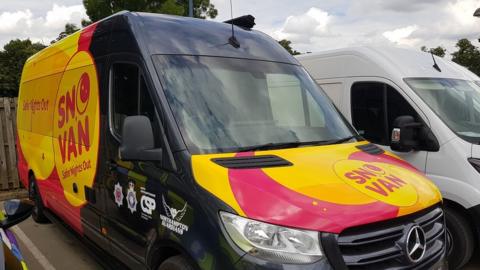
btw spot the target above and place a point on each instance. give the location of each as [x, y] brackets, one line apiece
[176, 263]
[38, 209]
[461, 239]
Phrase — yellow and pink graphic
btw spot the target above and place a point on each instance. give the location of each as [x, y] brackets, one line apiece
[328, 188]
[58, 123]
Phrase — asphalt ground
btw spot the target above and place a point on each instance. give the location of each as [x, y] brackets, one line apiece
[51, 246]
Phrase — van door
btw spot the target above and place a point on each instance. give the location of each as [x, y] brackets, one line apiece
[132, 186]
[374, 107]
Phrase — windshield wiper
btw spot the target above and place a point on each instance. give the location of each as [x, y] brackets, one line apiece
[269, 146]
[343, 139]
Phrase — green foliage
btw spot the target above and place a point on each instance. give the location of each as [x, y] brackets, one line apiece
[438, 51]
[99, 9]
[70, 28]
[287, 45]
[12, 59]
[467, 55]
[85, 22]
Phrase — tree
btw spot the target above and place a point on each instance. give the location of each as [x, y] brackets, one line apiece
[70, 28]
[467, 55]
[12, 59]
[287, 45]
[99, 9]
[438, 51]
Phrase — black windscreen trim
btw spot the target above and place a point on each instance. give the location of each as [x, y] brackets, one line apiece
[264, 161]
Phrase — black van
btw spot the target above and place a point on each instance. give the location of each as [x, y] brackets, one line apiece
[179, 143]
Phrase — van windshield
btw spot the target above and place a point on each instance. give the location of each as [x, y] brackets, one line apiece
[229, 105]
[456, 102]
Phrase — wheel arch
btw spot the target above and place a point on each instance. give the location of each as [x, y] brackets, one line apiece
[473, 221]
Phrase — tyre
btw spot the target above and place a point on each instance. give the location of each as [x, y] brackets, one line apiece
[461, 239]
[38, 214]
[176, 263]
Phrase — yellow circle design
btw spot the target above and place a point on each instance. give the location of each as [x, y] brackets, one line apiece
[379, 181]
[75, 127]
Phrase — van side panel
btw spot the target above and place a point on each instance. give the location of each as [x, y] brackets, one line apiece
[58, 120]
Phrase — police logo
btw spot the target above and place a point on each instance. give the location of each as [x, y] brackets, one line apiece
[118, 194]
[132, 198]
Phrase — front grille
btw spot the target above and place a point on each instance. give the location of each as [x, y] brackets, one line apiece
[376, 246]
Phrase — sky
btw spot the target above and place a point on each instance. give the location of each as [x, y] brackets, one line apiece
[311, 25]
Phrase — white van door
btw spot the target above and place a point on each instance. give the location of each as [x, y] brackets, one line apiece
[374, 105]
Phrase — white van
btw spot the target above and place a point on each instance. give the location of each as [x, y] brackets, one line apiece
[431, 105]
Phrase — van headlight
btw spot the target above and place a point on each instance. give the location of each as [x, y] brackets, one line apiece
[272, 242]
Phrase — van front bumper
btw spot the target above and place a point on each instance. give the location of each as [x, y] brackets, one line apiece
[249, 262]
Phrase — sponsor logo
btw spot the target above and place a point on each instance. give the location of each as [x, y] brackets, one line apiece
[172, 219]
[131, 198]
[118, 194]
[383, 182]
[147, 203]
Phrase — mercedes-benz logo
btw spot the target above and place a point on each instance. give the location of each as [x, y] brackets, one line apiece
[416, 244]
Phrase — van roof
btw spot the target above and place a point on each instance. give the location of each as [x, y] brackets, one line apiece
[167, 34]
[387, 62]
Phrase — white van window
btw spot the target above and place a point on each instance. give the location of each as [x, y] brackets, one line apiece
[375, 106]
[129, 97]
[456, 102]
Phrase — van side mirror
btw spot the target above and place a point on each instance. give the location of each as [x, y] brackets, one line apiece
[408, 135]
[137, 140]
[15, 211]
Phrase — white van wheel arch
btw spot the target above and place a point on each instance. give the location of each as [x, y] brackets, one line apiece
[461, 235]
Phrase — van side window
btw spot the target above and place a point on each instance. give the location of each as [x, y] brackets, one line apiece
[375, 106]
[129, 97]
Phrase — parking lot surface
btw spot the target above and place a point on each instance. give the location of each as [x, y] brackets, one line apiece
[50, 246]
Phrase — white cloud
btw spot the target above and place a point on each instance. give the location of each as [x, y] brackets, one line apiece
[303, 27]
[42, 27]
[401, 36]
[60, 15]
[462, 11]
[10, 20]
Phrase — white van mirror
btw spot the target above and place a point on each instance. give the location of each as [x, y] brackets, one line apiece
[408, 135]
[137, 140]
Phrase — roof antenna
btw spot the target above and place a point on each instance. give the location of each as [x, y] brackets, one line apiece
[233, 40]
[435, 66]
